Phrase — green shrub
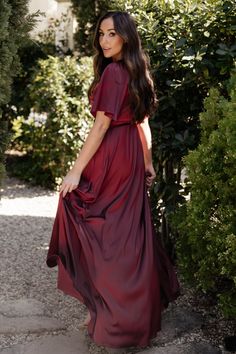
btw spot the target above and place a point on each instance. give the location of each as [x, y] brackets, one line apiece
[207, 223]
[192, 48]
[191, 45]
[15, 25]
[52, 134]
[4, 142]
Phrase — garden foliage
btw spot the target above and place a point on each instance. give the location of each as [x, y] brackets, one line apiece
[15, 25]
[87, 13]
[54, 130]
[207, 223]
[192, 47]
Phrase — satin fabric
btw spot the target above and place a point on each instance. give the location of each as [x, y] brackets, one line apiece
[103, 242]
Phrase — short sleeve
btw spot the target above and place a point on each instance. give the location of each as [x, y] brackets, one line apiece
[110, 92]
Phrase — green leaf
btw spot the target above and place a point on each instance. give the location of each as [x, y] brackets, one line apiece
[180, 42]
[221, 52]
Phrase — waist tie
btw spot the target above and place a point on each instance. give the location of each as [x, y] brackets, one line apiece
[122, 124]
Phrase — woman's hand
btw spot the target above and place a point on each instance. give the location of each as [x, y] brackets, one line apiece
[70, 182]
[150, 175]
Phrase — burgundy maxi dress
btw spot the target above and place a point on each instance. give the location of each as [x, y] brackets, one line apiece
[103, 240]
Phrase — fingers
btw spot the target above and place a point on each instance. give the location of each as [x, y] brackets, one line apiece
[150, 179]
[64, 189]
[70, 182]
[149, 182]
[67, 188]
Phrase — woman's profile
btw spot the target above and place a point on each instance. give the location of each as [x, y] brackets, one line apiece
[103, 242]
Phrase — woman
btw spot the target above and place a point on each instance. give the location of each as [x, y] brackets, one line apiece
[103, 240]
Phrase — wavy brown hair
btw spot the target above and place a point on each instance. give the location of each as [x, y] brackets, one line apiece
[141, 90]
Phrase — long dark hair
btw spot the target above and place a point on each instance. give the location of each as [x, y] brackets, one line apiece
[141, 90]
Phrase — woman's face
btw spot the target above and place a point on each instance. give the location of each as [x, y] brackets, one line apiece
[110, 42]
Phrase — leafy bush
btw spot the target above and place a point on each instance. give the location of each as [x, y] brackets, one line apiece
[191, 45]
[4, 142]
[29, 55]
[15, 25]
[54, 131]
[184, 40]
[207, 223]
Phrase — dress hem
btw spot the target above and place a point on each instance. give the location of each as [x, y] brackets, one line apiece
[142, 347]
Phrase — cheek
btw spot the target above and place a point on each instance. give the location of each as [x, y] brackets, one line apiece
[120, 43]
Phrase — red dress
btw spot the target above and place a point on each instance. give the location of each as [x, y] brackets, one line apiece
[103, 240]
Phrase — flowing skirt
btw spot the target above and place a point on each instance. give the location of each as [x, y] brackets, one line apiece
[107, 253]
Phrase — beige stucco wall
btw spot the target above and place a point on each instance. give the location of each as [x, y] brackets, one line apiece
[47, 6]
[54, 10]
[67, 28]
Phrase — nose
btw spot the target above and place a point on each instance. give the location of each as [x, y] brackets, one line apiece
[104, 39]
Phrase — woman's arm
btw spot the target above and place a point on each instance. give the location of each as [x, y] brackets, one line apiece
[91, 145]
[146, 140]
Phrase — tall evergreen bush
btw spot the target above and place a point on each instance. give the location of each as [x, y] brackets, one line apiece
[15, 25]
[207, 223]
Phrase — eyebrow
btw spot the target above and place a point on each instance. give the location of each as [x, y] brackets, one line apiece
[110, 29]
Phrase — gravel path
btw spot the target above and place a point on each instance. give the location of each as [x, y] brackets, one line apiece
[26, 218]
